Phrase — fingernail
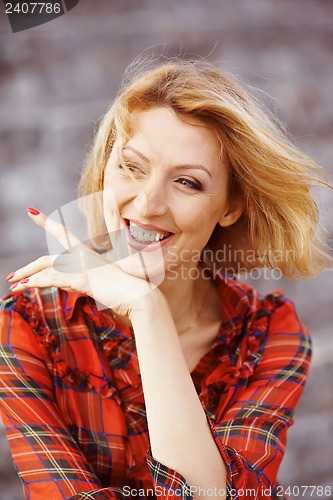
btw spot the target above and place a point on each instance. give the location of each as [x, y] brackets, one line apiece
[13, 286]
[10, 276]
[33, 211]
[24, 281]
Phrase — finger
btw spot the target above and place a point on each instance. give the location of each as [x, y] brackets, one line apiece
[66, 237]
[31, 268]
[64, 263]
[50, 278]
[72, 263]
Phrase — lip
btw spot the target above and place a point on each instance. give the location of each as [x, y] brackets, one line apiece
[147, 226]
[147, 247]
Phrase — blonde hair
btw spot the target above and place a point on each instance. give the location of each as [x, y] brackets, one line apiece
[279, 224]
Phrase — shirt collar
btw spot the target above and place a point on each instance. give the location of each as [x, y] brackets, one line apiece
[237, 300]
[69, 301]
[239, 303]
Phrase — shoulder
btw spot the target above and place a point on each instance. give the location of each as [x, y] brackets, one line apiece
[18, 308]
[37, 308]
[258, 328]
[53, 311]
[40, 322]
[242, 304]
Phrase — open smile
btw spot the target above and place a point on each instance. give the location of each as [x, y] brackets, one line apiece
[144, 237]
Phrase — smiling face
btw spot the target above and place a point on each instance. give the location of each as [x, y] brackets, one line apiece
[179, 189]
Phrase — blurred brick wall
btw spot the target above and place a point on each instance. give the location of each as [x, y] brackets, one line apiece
[59, 78]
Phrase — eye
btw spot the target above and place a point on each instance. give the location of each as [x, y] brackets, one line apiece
[190, 184]
[130, 167]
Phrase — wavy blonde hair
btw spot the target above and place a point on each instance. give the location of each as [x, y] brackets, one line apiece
[279, 226]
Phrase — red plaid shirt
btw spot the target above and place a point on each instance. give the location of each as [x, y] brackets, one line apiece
[72, 401]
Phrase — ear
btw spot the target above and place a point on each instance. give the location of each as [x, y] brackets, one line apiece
[233, 213]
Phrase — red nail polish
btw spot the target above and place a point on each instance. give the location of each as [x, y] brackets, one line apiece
[13, 286]
[24, 281]
[33, 211]
[10, 276]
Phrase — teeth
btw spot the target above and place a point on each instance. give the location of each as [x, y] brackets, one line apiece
[145, 236]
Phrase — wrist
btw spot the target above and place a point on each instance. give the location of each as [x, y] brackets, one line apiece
[148, 306]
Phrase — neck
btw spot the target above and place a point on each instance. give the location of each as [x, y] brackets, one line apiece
[186, 298]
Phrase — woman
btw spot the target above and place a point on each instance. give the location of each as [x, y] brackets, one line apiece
[177, 381]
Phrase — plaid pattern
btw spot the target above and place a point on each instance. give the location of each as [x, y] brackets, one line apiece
[72, 401]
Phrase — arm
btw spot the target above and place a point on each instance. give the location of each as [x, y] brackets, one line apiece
[95, 281]
[179, 432]
[250, 435]
[48, 459]
[251, 431]
[250, 460]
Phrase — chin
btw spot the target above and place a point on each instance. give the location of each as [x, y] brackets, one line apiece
[145, 265]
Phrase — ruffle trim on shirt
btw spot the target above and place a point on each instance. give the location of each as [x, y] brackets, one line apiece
[118, 344]
[30, 306]
[26, 304]
[233, 357]
[110, 368]
[112, 358]
[119, 348]
[240, 344]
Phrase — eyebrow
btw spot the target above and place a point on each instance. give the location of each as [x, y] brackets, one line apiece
[178, 167]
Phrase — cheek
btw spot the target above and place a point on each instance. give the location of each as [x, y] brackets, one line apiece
[109, 175]
[111, 208]
[200, 217]
[114, 188]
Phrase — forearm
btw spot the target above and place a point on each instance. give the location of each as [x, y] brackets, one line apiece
[179, 432]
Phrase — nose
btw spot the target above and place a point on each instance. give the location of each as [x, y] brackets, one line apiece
[151, 199]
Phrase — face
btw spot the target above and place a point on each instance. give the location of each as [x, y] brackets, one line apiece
[179, 191]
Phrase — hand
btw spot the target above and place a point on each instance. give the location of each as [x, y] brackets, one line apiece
[82, 270]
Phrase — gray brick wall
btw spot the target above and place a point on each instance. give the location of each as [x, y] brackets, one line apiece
[59, 78]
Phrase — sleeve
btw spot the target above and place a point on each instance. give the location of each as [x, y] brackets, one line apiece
[49, 462]
[251, 434]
